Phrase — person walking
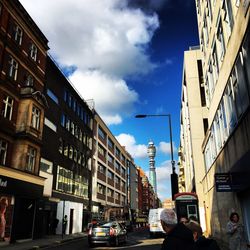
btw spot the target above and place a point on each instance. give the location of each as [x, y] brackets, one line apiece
[201, 242]
[179, 237]
[65, 222]
[236, 233]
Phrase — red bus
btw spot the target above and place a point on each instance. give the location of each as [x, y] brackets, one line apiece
[186, 205]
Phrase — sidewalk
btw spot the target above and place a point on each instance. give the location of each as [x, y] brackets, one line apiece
[51, 240]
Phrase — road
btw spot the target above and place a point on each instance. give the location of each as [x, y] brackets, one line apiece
[136, 240]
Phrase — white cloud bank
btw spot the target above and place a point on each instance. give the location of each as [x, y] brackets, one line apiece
[105, 41]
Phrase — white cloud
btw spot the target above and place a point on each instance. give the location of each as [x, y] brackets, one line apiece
[105, 36]
[113, 97]
[136, 150]
[165, 147]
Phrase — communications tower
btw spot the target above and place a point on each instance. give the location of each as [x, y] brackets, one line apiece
[152, 174]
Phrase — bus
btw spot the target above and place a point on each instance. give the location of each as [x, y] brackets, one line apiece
[186, 205]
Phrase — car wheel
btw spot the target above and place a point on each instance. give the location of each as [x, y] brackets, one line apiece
[117, 241]
[91, 245]
[125, 238]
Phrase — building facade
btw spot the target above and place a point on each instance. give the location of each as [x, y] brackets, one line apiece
[23, 52]
[109, 187]
[224, 41]
[66, 155]
[193, 128]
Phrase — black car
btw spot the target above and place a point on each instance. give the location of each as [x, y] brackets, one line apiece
[111, 233]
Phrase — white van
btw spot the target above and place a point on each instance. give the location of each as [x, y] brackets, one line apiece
[154, 222]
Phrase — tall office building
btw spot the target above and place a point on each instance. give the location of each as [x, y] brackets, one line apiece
[152, 174]
[224, 33]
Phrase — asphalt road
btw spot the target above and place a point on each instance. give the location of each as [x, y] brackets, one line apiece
[136, 240]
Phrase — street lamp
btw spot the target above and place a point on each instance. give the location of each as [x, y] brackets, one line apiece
[174, 177]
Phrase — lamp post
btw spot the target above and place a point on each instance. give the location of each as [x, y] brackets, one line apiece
[174, 177]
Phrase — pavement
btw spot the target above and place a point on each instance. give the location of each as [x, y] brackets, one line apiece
[48, 241]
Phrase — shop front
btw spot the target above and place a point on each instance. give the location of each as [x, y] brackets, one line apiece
[18, 208]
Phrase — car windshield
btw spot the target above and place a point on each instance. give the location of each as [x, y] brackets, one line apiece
[110, 224]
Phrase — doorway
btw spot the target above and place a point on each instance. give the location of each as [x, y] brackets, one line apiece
[71, 220]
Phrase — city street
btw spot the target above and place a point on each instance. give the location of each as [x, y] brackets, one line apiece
[136, 240]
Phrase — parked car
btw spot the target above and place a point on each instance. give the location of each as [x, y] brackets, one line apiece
[111, 233]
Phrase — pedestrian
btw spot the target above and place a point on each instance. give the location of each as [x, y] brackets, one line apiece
[236, 233]
[201, 242]
[65, 222]
[178, 235]
[183, 219]
[3, 207]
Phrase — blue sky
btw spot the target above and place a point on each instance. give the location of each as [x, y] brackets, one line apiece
[127, 55]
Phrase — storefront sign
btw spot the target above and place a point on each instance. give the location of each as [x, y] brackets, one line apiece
[17, 187]
[223, 182]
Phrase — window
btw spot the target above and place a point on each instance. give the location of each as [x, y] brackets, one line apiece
[64, 180]
[18, 35]
[35, 119]
[220, 40]
[230, 106]
[101, 169]
[81, 186]
[72, 128]
[215, 62]
[122, 158]
[71, 152]
[123, 171]
[50, 124]
[209, 13]
[110, 144]
[101, 150]
[7, 111]
[101, 133]
[246, 57]
[46, 166]
[117, 165]
[52, 96]
[3, 151]
[117, 153]
[117, 180]
[110, 192]
[100, 189]
[240, 86]
[210, 79]
[65, 149]
[33, 51]
[29, 81]
[13, 67]
[110, 175]
[205, 30]
[228, 16]
[31, 159]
